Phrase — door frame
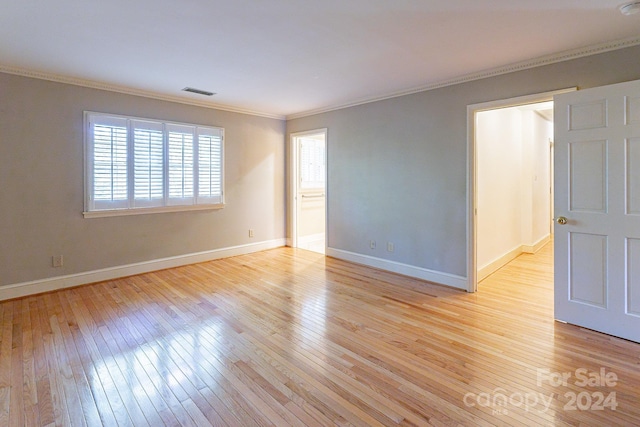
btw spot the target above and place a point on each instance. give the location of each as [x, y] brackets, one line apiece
[472, 267]
[294, 180]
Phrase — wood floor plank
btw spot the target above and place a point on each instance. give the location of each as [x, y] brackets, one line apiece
[43, 386]
[290, 337]
[17, 411]
[30, 397]
[111, 407]
[59, 401]
[164, 327]
[6, 329]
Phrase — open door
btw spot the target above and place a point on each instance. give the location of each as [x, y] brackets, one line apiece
[597, 209]
[309, 190]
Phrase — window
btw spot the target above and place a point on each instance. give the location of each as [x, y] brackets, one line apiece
[141, 166]
[312, 162]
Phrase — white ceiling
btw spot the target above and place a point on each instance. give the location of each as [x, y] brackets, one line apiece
[284, 57]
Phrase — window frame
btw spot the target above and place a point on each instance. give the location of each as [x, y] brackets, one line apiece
[132, 206]
[318, 169]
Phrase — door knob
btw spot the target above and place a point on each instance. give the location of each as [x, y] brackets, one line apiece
[561, 220]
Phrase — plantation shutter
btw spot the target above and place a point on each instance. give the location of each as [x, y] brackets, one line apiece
[140, 164]
[210, 165]
[148, 163]
[108, 163]
[180, 153]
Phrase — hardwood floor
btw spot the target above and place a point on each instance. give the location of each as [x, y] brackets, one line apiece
[288, 337]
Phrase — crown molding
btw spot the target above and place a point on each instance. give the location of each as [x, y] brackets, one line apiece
[130, 91]
[518, 66]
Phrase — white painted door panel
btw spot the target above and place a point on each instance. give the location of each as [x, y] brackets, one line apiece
[597, 188]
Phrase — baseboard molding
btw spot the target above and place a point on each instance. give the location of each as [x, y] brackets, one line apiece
[400, 268]
[54, 283]
[536, 246]
[500, 262]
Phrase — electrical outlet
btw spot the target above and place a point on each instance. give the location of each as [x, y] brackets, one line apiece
[57, 261]
[251, 232]
[390, 247]
[372, 244]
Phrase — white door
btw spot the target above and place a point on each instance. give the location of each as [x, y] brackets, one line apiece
[597, 193]
[310, 190]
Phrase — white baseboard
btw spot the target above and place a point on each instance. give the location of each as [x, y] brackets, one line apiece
[498, 263]
[54, 283]
[503, 260]
[447, 279]
[536, 246]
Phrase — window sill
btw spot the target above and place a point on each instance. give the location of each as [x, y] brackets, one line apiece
[145, 211]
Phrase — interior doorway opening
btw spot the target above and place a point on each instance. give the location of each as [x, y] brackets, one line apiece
[505, 224]
[514, 183]
[309, 171]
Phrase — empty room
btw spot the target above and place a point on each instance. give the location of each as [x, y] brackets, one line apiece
[357, 213]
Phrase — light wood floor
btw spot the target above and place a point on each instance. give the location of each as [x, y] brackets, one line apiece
[288, 337]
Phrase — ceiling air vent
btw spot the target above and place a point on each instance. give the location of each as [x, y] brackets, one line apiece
[198, 91]
[630, 8]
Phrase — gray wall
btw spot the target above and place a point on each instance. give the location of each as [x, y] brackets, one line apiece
[42, 189]
[397, 172]
[397, 169]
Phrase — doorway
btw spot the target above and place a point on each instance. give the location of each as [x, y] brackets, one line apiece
[510, 181]
[308, 190]
[513, 170]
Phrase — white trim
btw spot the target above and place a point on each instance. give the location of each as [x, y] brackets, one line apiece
[503, 260]
[144, 211]
[532, 249]
[518, 66]
[499, 262]
[292, 240]
[131, 91]
[472, 273]
[438, 277]
[54, 283]
[517, 101]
